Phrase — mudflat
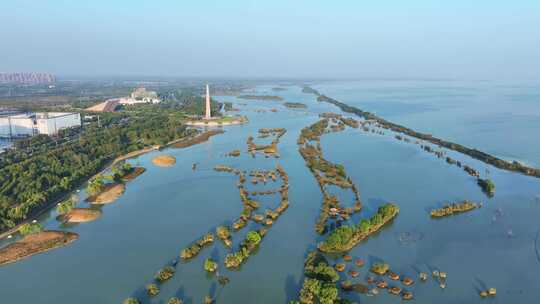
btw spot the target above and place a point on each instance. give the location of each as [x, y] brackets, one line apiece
[35, 243]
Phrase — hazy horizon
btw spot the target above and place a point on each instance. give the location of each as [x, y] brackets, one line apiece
[282, 39]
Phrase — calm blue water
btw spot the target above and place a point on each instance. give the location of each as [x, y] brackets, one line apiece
[493, 116]
[165, 209]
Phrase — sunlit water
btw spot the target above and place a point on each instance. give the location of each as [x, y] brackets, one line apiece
[166, 209]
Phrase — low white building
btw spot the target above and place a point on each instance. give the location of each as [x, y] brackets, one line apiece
[29, 124]
[139, 96]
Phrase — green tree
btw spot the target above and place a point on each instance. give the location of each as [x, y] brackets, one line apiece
[30, 228]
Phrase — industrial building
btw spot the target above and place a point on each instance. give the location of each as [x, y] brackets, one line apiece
[14, 125]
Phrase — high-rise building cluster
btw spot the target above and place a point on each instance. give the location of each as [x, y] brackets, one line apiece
[27, 78]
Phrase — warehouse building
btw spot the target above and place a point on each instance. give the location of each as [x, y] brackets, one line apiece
[15, 125]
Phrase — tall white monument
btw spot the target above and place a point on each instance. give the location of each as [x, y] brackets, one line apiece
[207, 115]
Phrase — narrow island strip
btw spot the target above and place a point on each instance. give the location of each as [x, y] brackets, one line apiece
[453, 209]
[513, 166]
[345, 238]
[261, 97]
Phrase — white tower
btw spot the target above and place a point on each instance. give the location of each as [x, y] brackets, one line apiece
[207, 114]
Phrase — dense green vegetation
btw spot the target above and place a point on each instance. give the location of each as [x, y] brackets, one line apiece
[29, 228]
[174, 300]
[152, 290]
[346, 237]
[165, 274]
[320, 282]
[131, 301]
[224, 234]
[487, 185]
[248, 245]
[96, 185]
[197, 246]
[453, 209]
[210, 265]
[66, 206]
[188, 101]
[32, 178]
[99, 182]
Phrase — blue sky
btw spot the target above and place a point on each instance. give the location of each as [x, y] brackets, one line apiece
[279, 38]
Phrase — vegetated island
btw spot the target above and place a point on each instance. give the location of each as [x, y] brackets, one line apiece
[325, 172]
[487, 185]
[270, 149]
[80, 215]
[474, 153]
[252, 239]
[345, 238]
[453, 209]
[133, 174]
[218, 121]
[108, 194]
[295, 105]
[197, 139]
[261, 97]
[320, 282]
[35, 243]
[105, 189]
[279, 89]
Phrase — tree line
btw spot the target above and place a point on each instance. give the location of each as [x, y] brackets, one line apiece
[38, 172]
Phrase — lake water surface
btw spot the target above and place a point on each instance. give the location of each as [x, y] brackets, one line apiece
[165, 209]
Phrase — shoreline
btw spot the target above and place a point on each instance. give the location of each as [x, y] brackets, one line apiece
[48, 206]
[217, 123]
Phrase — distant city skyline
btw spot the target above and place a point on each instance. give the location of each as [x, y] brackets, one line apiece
[277, 39]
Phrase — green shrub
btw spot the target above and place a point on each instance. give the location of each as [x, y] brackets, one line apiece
[210, 265]
[174, 300]
[131, 301]
[165, 274]
[152, 290]
[66, 206]
[29, 228]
